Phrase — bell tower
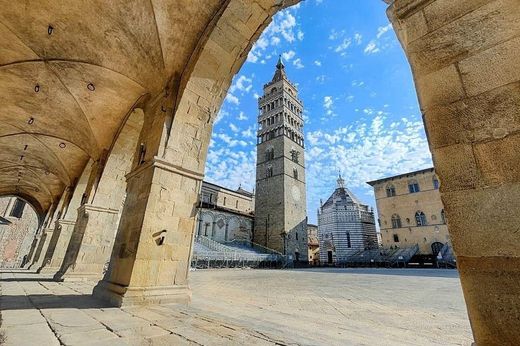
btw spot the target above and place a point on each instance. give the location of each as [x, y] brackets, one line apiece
[280, 201]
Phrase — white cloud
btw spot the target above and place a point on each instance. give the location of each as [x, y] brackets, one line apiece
[242, 116]
[371, 48]
[379, 43]
[317, 62]
[358, 38]
[232, 99]
[234, 128]
[328, 103]
[321, 79]
[283, 26]
[242, 83]
[298, 63]
[249, 133]
[343, 45]
[287, 56]
[383, 29]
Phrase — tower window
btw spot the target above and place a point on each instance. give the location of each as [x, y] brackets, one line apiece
[443, 216]
[269, 172]
[224, 200]
[294, 156]
[396, 238]
[349, 245]
[295, 173]
[18, 208]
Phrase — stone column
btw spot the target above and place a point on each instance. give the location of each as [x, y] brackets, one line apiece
[39, 255]
[32, 250]
[90, 245]
[57, 246]
[465, 60]
[145, 267]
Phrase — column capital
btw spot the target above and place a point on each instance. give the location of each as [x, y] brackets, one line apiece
[159, 163]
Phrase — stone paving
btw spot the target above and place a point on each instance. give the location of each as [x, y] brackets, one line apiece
[247, 307]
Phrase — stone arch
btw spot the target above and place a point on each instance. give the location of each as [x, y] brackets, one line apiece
[206, 222]
[17, 231]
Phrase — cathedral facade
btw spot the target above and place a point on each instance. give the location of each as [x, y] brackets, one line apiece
[345, 226]
[280, 203]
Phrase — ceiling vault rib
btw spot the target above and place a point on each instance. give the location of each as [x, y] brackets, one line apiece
[98, 150]
[86, 151]
[42, 184]
[20, 39]
[158, 35]
[74, 61]
[56, 157]
[34, 167]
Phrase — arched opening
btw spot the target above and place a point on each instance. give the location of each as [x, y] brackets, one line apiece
[19, 223]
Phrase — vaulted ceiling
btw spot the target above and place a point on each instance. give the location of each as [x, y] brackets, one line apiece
[69, 73]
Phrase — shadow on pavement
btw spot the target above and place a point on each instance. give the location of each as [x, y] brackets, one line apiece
[50, 301]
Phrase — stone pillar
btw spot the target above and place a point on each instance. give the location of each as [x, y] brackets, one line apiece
[32, 250]
[150, 259]
[57, 246]
[39, 255]
[91, 244]
[465, 60]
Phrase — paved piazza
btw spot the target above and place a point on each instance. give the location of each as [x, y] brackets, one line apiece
[248, 307]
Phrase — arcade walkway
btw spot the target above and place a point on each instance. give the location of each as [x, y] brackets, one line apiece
[248, 307]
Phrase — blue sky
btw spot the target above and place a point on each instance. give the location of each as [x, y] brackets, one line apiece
[361, 112]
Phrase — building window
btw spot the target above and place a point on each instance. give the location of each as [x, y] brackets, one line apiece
[295, 173]
[443, 216]
[435, 183]
[296, 235]
[396, 221]
[390, 190]
[295, 156]
[349, 244]
[224, 200]
[420, 218]
[236, 204]
[18, 208]
[269, 172]
[396, 238]
[413, 186]
[269, 154]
